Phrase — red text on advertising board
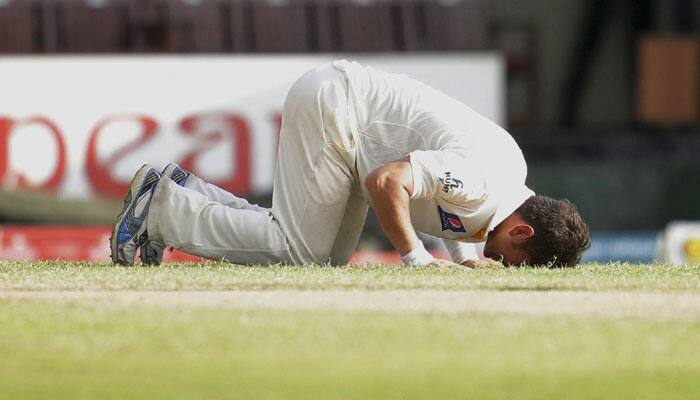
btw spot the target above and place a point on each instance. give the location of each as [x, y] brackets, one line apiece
[7, 126]
[209, 130]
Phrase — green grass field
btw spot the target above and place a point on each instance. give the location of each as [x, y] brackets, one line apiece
[216, 331]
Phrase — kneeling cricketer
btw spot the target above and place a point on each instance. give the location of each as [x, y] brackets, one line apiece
[353, 137]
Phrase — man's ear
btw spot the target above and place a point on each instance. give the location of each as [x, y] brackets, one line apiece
[521, 232]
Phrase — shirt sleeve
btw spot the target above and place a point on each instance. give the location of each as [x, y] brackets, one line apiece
[425, 167]
[461, 252]
[447, 175]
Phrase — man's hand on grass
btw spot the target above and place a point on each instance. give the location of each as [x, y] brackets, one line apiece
[482, 264]
[467, 265]
[445, 265]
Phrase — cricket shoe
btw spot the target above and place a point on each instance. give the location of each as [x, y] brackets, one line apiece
[130, 229]
[176, 174]
[152, 250]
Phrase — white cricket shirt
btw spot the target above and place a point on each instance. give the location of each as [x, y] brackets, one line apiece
[468, 172]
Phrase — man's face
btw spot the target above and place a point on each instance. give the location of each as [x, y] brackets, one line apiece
[503, 244]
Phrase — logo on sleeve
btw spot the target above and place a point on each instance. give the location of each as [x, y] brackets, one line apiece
[449, 183]
[450, 221]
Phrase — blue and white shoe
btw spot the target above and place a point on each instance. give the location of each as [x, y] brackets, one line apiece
[130, 230]
[152, 250]
[176, 174]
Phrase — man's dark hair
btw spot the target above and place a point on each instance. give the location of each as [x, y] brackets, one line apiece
[560, 237]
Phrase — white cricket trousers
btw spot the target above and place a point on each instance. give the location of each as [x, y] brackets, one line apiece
[318, 209]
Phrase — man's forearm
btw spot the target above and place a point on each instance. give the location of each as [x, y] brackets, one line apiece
[390, 202]
[390, 188]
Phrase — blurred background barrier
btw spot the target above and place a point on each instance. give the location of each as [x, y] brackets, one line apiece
[91, 243]
[99, 118]
[43, 207]
[69, 243]
[638, 247]
[602, 96]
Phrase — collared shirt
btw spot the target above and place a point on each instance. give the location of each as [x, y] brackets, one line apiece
[468, 172]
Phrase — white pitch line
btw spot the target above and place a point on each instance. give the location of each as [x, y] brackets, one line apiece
[533, 303]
